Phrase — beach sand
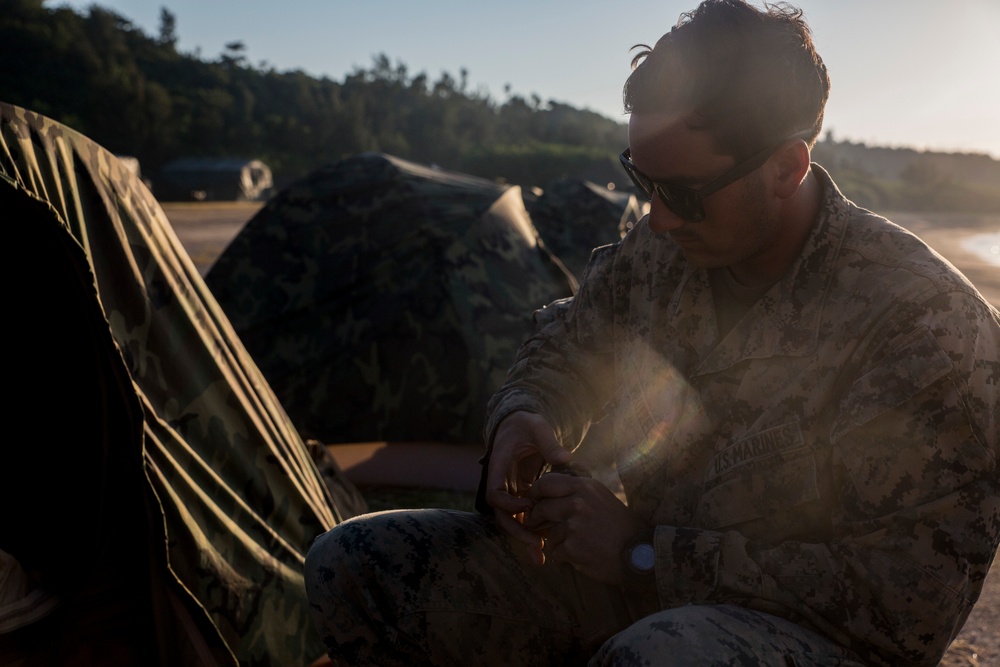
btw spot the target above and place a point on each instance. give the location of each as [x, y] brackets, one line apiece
[206, 228]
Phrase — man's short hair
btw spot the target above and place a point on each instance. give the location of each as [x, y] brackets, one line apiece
[751, 76]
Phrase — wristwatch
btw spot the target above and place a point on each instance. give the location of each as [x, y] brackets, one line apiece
[639, 561]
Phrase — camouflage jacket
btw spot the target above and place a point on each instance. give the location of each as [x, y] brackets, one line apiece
[832, 459]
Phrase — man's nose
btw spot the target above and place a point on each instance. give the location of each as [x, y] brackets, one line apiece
[661, 218]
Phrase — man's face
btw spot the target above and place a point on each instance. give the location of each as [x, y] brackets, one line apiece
[741, 220]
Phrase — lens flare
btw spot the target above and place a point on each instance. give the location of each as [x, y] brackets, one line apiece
[662, 402]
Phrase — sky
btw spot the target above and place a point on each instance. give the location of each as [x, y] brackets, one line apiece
[923, 74]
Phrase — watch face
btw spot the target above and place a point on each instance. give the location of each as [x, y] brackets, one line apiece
[643, 557]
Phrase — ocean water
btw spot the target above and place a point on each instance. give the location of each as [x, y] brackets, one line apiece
[986, 246]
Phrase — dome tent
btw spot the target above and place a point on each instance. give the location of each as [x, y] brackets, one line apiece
[574, 216]
[182, 499]
[384, 300]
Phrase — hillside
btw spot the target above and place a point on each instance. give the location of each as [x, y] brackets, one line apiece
[905, 179]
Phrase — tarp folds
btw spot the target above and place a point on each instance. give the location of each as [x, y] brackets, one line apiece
[385, 301]
[152, 447]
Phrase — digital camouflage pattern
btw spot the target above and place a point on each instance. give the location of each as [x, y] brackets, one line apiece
[831, 460]
[384, 301]
[233, 497]
[377, 584]
[575, 216]
[720, 634]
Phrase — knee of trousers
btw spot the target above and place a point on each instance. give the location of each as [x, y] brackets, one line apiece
[702, 635]
[371, 551]
[355, 579]
[325, 567]
[340, 563]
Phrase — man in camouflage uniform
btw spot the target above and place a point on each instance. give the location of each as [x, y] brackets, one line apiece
[805, 408]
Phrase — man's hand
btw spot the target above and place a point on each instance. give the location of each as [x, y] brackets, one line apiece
[583, 523]
[524, 442]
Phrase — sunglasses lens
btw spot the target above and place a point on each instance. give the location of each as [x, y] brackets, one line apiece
[642, 183]
[685, 204]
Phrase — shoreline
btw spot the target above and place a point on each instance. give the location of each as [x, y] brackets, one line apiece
[947, 234]
[985, 246]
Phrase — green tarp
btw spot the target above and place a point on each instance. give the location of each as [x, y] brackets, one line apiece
[154, 461]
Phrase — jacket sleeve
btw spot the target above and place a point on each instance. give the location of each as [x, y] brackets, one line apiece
[564, 371]
[916, 522]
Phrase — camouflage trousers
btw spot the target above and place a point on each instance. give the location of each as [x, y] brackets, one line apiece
[439, 587]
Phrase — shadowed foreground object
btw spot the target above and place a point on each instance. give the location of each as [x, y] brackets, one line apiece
[160, 510]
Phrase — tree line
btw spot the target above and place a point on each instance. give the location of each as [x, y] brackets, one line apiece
[137, 94]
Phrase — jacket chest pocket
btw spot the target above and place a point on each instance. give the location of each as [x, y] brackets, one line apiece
[764, 475]
[655, 408]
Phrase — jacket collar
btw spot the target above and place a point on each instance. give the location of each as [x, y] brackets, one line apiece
[786, 320]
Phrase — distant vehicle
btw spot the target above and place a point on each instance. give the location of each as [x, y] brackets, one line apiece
[214, 179]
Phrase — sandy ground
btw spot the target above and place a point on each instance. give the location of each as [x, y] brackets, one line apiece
[206, 229]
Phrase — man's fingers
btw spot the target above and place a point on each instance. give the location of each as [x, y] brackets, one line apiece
[547, 512]
[555, 485]
[516, 530]
[555, 534]
[523, 444]
[556, 552]
[506, 503]
[550, 449]
[531, 430]
[500, 466]
[537, 522]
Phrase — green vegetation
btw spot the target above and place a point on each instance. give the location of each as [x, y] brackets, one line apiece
[903, 179]
[138, 95]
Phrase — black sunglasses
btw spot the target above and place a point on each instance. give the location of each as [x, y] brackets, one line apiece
[687, 203]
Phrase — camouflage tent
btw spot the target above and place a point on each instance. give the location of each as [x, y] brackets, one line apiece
[574, 216]
[384, 301]
[158, 492]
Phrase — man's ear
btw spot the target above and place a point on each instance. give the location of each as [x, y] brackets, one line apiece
[791, 164]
